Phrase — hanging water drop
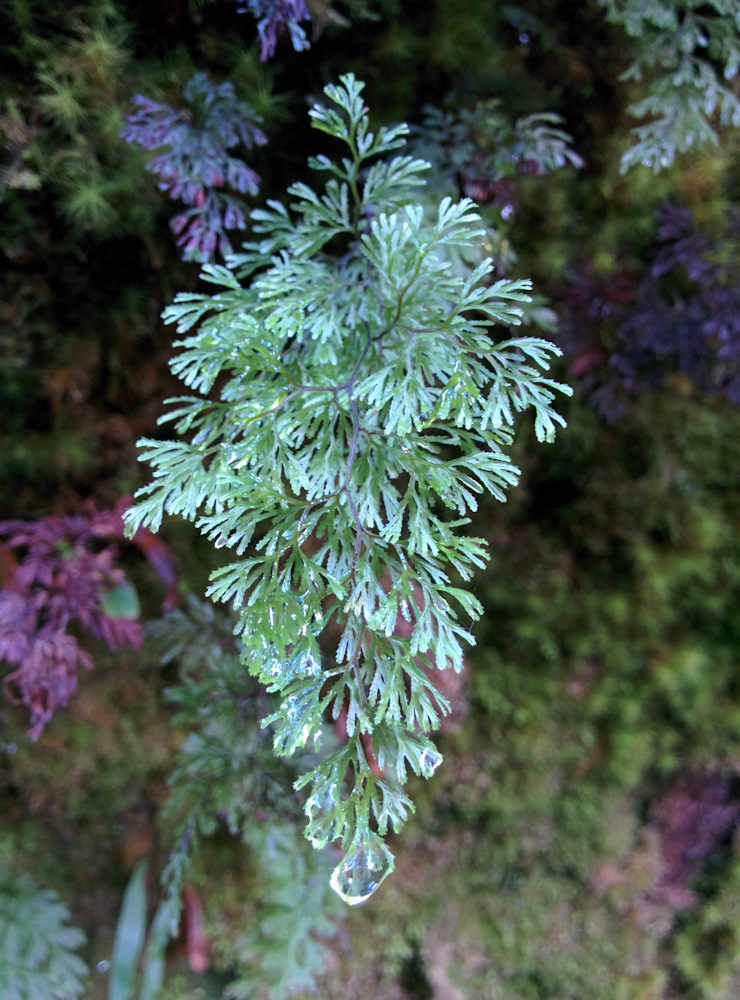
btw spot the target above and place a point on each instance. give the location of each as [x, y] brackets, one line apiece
[429, 761]
[361, 871]
[220, 542]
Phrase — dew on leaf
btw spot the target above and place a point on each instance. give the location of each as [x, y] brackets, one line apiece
[321, 800]
[361, 871]
[429, 761]
[304, 663]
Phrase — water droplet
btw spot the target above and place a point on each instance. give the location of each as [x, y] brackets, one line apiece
[361, 871]
[430, 761]
[103, 966]
[220, 542]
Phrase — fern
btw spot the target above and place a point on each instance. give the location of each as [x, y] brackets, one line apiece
[37, 948]
[681, 41]
[363, 409]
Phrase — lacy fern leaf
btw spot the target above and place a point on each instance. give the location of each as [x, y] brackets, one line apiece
[364, 408]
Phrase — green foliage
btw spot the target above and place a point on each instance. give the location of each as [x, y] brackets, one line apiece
[36, 945]
[367, 407]
[128, 945]
[680, 43]
[130, 934]
[227, 776]
[284, 946]
[706, 943]
[79, 98]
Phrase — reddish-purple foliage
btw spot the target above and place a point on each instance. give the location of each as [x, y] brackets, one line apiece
[691, 824]
[695, 817]
[628, 334]
[193, 164]
[60, 574]
[273, 16]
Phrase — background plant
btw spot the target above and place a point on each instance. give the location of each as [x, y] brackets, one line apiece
[274, 16]
[195, 164]
[628, 333]
[37, 945]
[65, 578]
[227, 779]
[680, 44]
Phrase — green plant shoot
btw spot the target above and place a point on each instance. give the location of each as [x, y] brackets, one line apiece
[351, 407]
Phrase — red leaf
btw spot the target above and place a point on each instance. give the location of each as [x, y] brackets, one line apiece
[196, 942]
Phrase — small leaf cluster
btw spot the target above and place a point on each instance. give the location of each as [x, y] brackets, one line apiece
[351, 408]
[194, 164]
[680, 43]
[37, 945]
[275, 16]
[481, 150]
